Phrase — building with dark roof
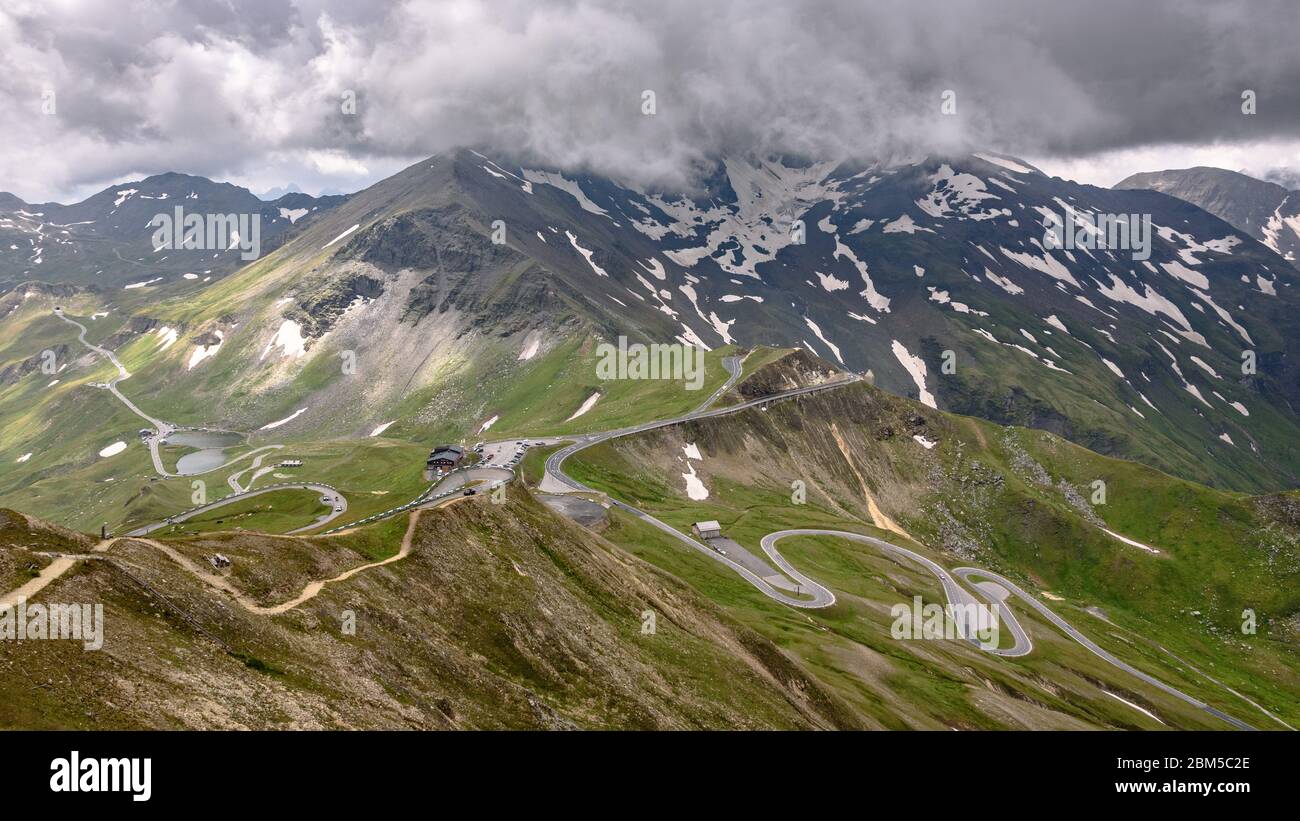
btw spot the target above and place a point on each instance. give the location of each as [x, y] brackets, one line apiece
[445, 456]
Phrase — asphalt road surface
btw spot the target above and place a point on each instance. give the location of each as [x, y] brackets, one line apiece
[957, 595]
[1064, 626]
[339, 501]
[161, 429]
[555, 480]
[820, 596]
[817, 596]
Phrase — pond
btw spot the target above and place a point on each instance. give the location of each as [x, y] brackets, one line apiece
[210, 449]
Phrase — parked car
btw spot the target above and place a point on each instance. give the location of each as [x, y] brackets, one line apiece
[469, 491]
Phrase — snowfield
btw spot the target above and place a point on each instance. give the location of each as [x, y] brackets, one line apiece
[202, 352]
[586, 406]
[112, 450]
[286, 420]
[343, 235]
[915, 366]
[288, 338]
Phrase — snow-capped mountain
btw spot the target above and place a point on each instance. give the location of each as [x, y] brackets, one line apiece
[935, 275]
[1265, 210]
[108, 239]
[887, 268]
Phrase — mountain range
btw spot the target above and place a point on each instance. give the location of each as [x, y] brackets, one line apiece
[107, 238]
[932, 275]
[1265, 210]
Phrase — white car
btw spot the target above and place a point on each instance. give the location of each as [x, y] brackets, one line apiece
[338, 508]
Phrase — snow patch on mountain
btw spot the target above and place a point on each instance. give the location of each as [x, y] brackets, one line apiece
[202, 352]
[722, 327]
[289, 339]
[587, 405]
[1046, 264]
[531, 343]
[695, 488]
[818, 332]
[943, 298]
[1205, 366]
[1151, 302]
[568, 186]
[655, 267]
[113, 449]
[1003, 283]
[1005, 163]
[770, 196]
[873, 297]
[341, 236]
[903, 225]
[831, 283]
[915, 366]
[286, 420]
[586, 254]
[1224, 315]
[1180, 271]
[958, 193]
[502, 173]
[166, 336]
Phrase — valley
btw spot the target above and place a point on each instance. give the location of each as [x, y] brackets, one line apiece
[848, 467]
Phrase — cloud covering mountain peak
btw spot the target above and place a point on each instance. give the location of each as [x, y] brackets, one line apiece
[327, 93]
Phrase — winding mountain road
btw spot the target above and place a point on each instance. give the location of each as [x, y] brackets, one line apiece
[161, 429]
[821, 597]
[338, 501]
[555, 480]
[1061, 624]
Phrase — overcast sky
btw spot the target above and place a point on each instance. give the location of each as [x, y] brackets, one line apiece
[254, 92]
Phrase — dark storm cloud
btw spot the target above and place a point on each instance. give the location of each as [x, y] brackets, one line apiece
[253, 90]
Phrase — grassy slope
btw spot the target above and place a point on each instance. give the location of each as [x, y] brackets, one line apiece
[65, 481]
[504, 616]
[269, 513]
[1218, 566]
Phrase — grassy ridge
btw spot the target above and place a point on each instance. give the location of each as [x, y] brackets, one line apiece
[1219, 555]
